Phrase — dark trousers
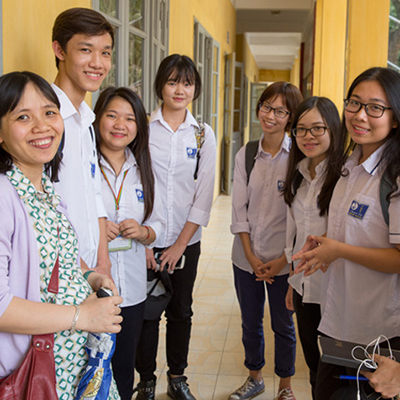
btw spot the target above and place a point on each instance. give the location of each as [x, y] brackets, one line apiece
[123, 361]
[251, 296]
[328, 383]
[179, 322]
[308, 318]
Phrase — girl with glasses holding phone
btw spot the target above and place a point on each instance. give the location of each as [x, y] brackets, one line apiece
[360, 252]
[315, 163]
[259, 223]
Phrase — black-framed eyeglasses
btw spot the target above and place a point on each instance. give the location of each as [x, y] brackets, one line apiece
[372, 109]
[315, 131]
[278, 112]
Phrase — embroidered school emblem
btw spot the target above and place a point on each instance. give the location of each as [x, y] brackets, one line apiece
[139, 195]
[191, 152]
[358, 210]
[280, 185]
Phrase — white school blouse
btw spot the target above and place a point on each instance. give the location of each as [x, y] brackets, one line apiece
[173, 155]
[80, 183]
[258, 208]
[303, 219]
[359, 303]
[128, 268]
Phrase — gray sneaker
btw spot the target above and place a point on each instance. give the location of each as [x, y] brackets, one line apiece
[251, 388]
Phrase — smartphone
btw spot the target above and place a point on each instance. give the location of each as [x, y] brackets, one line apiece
[179, 265]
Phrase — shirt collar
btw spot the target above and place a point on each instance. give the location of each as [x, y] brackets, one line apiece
[27, 191]
[85, 113]
[371, 164]
[304, 167]
[189, 119]
[286, 142]
[130, 162]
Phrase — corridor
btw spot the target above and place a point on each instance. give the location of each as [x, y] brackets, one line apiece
[216, 352]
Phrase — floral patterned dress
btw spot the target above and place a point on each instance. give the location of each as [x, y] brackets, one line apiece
[55, 236]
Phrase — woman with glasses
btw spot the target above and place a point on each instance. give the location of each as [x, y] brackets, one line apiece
[315, 163]
[259, 224]
[360, 253]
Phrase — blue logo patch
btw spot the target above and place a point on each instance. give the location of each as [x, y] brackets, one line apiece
[92, 169]
[191, 153]
[139, 195]
[280, 185]
[357, 210]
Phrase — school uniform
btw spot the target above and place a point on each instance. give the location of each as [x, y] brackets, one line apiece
[303, 219]
[184, 199]
[123, 199]
[79, 176]
[258, 208]
[360, 303]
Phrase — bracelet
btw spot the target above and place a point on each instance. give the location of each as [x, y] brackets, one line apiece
[87, 273]
[148, 232]
[75, 319]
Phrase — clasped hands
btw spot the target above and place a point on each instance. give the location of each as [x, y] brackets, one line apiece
[128, 228]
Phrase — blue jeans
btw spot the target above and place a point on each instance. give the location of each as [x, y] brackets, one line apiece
[251, 296]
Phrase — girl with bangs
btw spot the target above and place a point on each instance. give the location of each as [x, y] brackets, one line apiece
[134, 214]
[315, 163]
[183, 153]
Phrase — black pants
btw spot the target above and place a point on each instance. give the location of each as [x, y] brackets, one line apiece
[179, 322]
[308, 319]
[123, 361]
[328, 383]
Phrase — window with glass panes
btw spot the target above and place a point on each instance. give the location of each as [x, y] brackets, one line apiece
[141, 42]
[394, 35]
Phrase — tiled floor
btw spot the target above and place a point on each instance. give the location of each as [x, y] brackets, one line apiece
[216, 352]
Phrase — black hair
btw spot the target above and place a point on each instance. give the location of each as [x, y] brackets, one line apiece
[178, 68]
[79, 20]
[290, 93]
[390, 83]
[12, 87]
[336, 155]
[139, 146]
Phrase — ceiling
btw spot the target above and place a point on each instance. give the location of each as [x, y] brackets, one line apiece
[273, 29]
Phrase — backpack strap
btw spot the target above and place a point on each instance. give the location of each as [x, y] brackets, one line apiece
[384, 190]
[200, 137]
[251, 152]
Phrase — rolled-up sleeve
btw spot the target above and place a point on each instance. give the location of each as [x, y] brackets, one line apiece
[200, 211]
[290, 234]
[240, 198]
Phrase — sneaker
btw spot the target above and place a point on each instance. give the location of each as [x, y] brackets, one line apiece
[251, 388]
[286, 394]
[178, 389]
[146, 390]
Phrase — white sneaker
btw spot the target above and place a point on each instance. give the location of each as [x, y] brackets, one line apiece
[250, 389]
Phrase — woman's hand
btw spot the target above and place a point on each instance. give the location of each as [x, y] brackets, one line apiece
[100, 315]
[289, 299]
[386, 379]
[150, 260]
[271, 268]
[171, 256]
[130, 228]
[317, 253]
[112, 230]
[97, 280]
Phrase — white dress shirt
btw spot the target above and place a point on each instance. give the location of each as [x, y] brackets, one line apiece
[174, 160]
[129, 269]
[258, 208]
[303, 219]
[360, 304]
[80, 183]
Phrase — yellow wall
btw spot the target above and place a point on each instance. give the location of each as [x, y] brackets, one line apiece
[295, 71]
[274, 75]
[368, 36]
[244, 55]
[217, 18]
[330, 49]
[27, 29]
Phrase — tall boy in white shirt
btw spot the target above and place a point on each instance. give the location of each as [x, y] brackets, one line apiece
[82, 43]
